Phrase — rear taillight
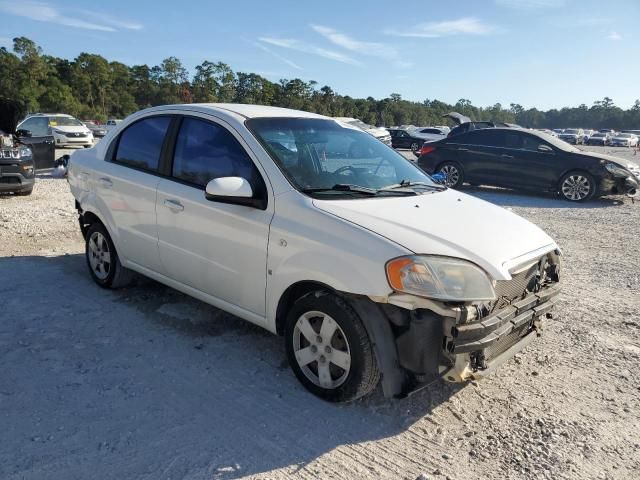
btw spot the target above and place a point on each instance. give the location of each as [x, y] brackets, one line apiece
[427, 149]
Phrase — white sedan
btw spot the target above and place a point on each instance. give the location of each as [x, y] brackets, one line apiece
[318, 232]
[624, 140]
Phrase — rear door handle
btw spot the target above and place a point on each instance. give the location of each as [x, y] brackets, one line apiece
[463, 149]
[173, 205]
[504, 155]
[105, 182]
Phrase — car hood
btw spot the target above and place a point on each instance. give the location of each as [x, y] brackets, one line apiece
[378, 132]
[70, 129]
[628, 164]
[448, 223]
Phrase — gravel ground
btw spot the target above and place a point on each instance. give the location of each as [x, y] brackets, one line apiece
[148, 383]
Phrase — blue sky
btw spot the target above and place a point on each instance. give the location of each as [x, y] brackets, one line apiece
[542, 53]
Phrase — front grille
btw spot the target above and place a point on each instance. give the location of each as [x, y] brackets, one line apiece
[7, 153]
[76, 135]
[508, 291]
[10, 180]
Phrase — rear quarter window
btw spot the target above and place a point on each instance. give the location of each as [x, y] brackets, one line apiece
[140, 145]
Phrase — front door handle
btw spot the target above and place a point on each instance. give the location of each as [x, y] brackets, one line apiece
[504, 155]
[173, 205]
[105, 182]
[463, 149]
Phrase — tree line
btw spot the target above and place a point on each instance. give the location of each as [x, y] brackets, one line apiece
[90, 86]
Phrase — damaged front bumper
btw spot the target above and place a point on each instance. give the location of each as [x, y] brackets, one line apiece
[475, 349]
[420, 340]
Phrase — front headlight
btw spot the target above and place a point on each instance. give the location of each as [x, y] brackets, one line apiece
[615, 170]
[58, 132]
[441, 278]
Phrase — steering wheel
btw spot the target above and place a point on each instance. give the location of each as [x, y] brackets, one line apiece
[346, 168]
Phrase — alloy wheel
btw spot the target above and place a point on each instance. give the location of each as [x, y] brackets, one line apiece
[451, 175]
[99, 255]
[576, 187]
[321, 349]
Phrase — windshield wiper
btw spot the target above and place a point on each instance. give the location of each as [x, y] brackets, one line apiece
[343, 187]
[408, 184]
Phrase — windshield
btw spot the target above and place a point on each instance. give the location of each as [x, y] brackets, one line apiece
[600, 135]
[64, 122]
[319, 154]
[571, 131]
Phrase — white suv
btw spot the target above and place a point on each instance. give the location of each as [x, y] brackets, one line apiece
[318, 232]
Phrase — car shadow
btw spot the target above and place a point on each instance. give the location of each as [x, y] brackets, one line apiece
[512, 198]
[162, 383]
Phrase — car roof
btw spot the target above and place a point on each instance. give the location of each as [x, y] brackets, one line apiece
[49, 115]
[250, 111]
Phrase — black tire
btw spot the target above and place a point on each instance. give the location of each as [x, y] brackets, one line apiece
[448, 169]
[577, 186]
[115, 275]
[24, 193]
[87, 146]
[351, 337]
[415, 146]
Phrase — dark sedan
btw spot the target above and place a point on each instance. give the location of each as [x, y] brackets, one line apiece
[602, 139]
[401, 138]
[525, 159]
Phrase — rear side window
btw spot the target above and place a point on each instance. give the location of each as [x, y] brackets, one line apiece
[205, 151]
[487, 137]
[140, 145]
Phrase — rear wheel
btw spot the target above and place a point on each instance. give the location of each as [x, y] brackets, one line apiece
[577, 186]
[329, 349]
[102, 259]
[453, 174]
[415, 146]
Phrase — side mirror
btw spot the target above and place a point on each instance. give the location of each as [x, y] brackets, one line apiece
[545, 149]
[233, 190]
[23, 133]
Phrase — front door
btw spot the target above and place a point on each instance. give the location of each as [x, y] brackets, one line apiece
[217, 248]
[39, 140]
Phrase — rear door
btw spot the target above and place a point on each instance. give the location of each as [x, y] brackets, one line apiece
[480, 155]
[40, 141]
[217, 248]
[126, 187]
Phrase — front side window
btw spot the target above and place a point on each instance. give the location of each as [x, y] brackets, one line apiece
[64, 122]
[319, 154]
[140, 145]
[205, 151]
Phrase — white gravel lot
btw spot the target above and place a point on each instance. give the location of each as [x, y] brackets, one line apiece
[146, 383]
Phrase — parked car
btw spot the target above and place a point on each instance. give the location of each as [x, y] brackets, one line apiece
[39, 142]
[320, 233]
[111, 123]
[17, 159]
[530, 160]
[587, 134]
[610, 132]
[98, 131]
[599, 138]
[574, 136]
[410, 139]
[380, 133]
[624, 140]
[558, 131]
[431, 134]
[634, 132]
[65, 130]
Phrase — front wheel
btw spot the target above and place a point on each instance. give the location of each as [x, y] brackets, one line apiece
[415, 147]
[453, 174]
[329, 349]
[577, 186]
